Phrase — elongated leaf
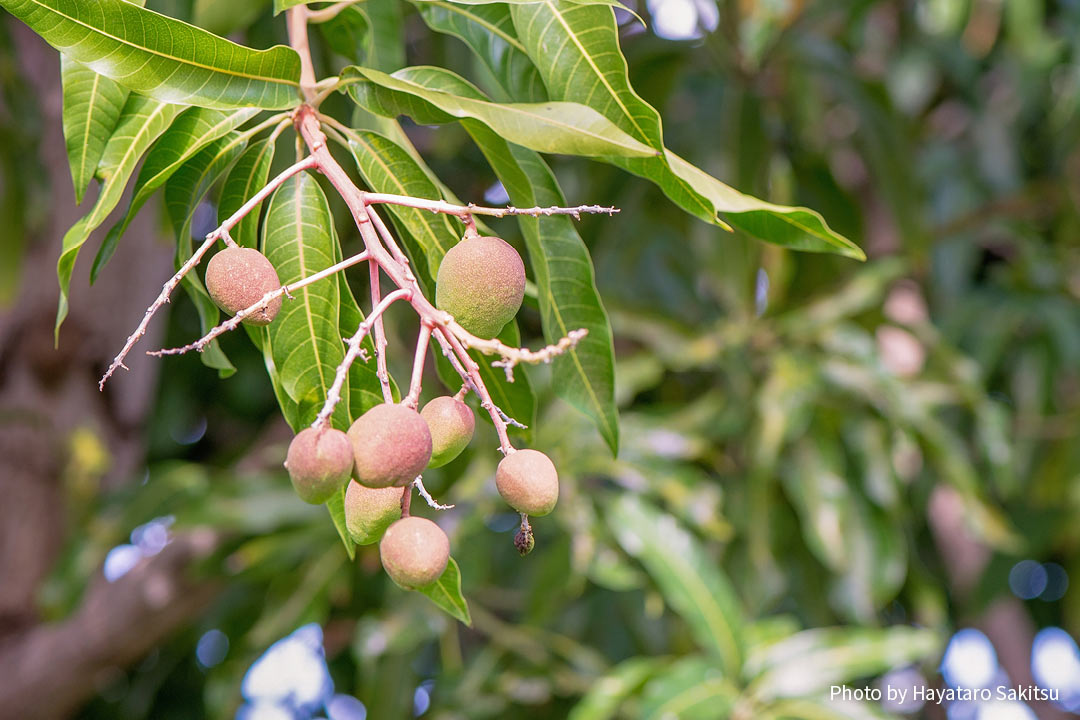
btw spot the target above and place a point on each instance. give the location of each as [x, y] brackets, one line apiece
[692, 689]
[556, 127]
[141, 122]
[192, 131]
[183, 192]
[92, 105]
[691, 583]
[812, 661]
[446, 593]
[161, 57]
[246, 178]
[489, 31]
[607, 694]
[225, 18]
[566, 286]
[576, 49]
[336, 507]
[305, 339]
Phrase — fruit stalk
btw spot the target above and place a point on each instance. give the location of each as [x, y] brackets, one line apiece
[220, 233]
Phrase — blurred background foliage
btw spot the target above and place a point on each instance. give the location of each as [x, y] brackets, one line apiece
[803, 435]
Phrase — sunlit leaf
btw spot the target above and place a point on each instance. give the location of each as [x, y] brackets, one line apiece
[192, 131]
[602, 701]
[141, 122]
[691, 689]
[161, 57]
[92, 105]
[554, 127]
[811, 662]
[576, 49]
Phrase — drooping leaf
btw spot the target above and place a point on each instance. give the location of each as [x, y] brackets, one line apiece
[446, 593]
[305, 338]
[192, 131]
[141, 122]
[161, 57]
[602, 701]
[92, 105]
[693, 688]
[691, 583]
[555, 127]
[336, 506]
[809, 663]
[565, 282]
[576, 49]
[489, 30]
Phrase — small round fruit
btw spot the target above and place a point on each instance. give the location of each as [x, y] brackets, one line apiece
[391, 445]
[452, 424]
[369, 511]
[319, 462]
[481, 282]
[238, 277]
[414, 552]
[528, 482]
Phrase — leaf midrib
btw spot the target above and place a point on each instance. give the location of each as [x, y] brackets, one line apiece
[102, 33]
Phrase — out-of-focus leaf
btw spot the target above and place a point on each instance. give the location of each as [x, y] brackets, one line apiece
[824, 709]
[608, 693]
[369, 34]
[224, 18]
[489, 30]
[446, 593]
[691, 583]
[812, 661]
[554, 127]
[141, 122]
[163, 58]
[692, 689]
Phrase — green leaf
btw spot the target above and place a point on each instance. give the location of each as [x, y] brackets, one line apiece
[555, 127]
[446, 593]
[305, 338]
[387, 167]
[691, 689]
[690, 581]
[161, 57]
[336, 507]
[193, 130]
[92, 106]
[489, 31]
[247, 177]
[812, 661]
[576, 49]
[365, 391]
[824, 709]
[602, 701]
[565, 282]
[183, 193]
[141, 122]
[370, 34]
